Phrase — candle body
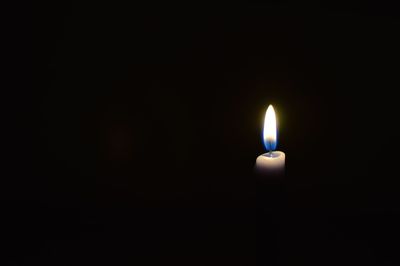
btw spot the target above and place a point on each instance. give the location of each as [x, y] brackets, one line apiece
[271, 204]
[271, 164]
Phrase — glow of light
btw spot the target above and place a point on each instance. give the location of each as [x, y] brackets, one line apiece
[269, 133]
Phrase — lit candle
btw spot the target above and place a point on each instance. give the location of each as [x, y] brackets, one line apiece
[271, 163]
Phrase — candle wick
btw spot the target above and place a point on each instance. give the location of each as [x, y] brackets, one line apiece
[269, 148]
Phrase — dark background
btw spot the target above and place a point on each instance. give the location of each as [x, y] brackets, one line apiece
[136, 141]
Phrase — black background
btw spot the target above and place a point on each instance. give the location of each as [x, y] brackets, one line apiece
[136, 142]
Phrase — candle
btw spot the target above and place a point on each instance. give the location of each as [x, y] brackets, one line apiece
[271, 163]
[270, 189]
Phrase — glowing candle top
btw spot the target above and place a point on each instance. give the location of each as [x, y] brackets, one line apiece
[271, 163]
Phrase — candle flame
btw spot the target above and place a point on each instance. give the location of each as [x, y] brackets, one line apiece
[269, 133]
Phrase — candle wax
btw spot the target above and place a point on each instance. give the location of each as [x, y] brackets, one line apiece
[271, 163]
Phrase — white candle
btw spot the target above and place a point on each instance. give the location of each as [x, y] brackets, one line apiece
[271, 163]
